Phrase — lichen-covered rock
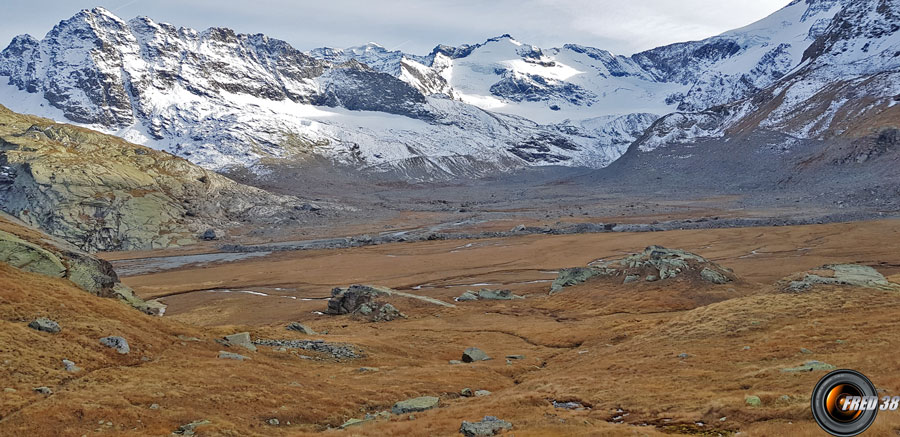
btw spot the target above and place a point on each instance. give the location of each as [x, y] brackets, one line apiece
[572, 276]
[655, 263]
[487, 294]
[467, 296]
[386, 313]
[854, 275]
[30, 250]
[415, 405]
[29, 257]
[488, 426]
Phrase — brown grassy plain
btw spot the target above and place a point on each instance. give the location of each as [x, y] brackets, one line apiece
[606, 345]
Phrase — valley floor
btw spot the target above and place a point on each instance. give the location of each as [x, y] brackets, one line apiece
[615, 349]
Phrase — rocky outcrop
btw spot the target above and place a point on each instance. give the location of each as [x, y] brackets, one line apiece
[487, 294]
[853, 275]
[100, 192]
[655, 263]
[33, 251]
[363, 301]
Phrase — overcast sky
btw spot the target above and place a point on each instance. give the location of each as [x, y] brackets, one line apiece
[417, 26]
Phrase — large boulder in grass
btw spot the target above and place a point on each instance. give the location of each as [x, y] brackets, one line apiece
[655, 263]
[363, 301]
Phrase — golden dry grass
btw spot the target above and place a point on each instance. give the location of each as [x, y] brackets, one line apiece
[609, 346]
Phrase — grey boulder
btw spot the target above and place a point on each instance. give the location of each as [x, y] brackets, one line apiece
[44, 325]
[415, 405]
[231, 356]
[472, 354]
[299, 327]
[241, 339]
[117, 343]
[490, 425]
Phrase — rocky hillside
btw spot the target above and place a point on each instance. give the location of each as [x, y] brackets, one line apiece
[31, 250]
[100, 192]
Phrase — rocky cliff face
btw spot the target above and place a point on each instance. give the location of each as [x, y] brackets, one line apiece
[102, 193]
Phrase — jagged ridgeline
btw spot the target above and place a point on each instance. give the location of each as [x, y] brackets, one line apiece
[220, 98]
[100, 192]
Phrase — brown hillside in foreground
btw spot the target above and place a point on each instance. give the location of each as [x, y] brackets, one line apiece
[611, 347]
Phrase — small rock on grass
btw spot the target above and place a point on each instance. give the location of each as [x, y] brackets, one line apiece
[70, 366]
[753, 401]
[299, 327]
[416, 404]
[117, 343]
[480, 393]
[44, 325]
[488, 426]
[232, 356]
[473, 354]
[43, 390]
[353, 422]
[190, 428]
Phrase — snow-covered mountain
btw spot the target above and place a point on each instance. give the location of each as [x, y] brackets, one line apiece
[847, 83]
[220, 98]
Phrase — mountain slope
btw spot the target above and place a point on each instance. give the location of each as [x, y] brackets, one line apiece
[847, 85]
[220, 99]
[102, 193]
[577, 82]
